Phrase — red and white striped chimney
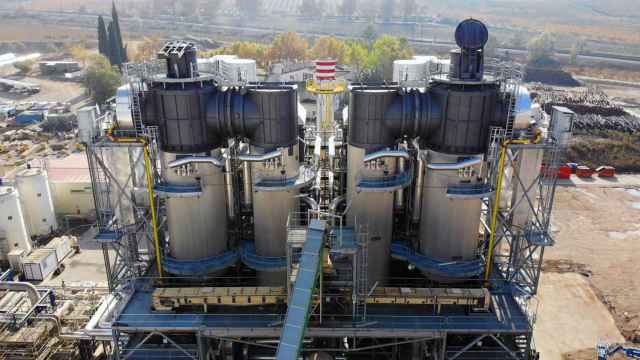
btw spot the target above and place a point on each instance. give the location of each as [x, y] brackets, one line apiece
[326, 70]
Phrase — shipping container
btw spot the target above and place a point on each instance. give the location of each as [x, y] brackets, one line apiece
[61, 245]
[39, 264]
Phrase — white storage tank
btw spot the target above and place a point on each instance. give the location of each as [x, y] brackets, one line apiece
[88, 126]
[12, 221]
[239, 70]
[37, 202]
[409, 70]
[39, 264]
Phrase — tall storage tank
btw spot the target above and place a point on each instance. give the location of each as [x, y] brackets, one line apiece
[371, 209]
[449, 226]
[12, 221]
[271, 209]
[197, 225]
[35, 193]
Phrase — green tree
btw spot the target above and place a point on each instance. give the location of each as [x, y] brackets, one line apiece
[357, 55]
[289, 47]
[386, 49]
[541, 49]
[103, 38]
[328, 47]
[24, 67]
[101, 80]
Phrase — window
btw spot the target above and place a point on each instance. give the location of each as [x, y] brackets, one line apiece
[10, 217]
[44, 220]
[39, 195]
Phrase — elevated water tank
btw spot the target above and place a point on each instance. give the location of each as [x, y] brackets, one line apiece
[37, 201]
[12, 222]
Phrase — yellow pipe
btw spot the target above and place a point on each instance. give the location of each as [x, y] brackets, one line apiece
[496, 204]
[147, 165]
[154, 221]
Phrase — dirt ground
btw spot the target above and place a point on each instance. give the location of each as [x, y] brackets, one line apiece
[50, 90]
[597, 231]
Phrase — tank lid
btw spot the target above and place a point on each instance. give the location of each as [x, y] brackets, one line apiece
[29, 172]
[471, 34]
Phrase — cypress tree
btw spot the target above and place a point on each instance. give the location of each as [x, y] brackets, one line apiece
[114, 47]
[103, 38]
[122, 56]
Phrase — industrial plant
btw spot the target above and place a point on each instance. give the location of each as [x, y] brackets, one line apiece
[407, 220]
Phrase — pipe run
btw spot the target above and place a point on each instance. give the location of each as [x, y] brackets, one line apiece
[215, 161]
[32, 292]
[417, 192]
[401, 154]
[309, 201]
[260, 157]
[467, 162]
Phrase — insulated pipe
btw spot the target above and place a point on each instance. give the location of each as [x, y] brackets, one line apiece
[246, 181]
[228, 183]
[457, 166]
[34, 296]
[399, 198]
[401, 154]
[260, 157]
[310, 201]
[333, 207]
[215, 161]
[417, 192]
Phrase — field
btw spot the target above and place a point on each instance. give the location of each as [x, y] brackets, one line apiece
[590, 283]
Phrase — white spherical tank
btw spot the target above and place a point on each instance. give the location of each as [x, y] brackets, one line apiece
[12, 222]
[409, 70]
[37, 201]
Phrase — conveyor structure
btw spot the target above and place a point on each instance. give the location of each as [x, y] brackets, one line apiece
[409, 224]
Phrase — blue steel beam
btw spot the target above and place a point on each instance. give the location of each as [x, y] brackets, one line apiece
[300, 303]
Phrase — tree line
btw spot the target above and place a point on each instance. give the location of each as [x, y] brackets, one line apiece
[371, 57]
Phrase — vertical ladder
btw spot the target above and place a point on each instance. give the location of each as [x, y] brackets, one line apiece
[361, 287]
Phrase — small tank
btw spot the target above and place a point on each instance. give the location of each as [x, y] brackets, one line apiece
[13, 227]
[35, 193]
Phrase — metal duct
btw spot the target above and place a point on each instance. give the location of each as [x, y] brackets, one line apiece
[31, 290]
[215, 161]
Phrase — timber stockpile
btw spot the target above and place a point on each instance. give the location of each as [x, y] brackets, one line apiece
[594, 110]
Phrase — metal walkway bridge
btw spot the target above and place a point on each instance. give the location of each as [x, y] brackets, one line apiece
[300, 302]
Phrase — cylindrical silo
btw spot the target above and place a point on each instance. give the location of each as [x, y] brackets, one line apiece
[35, 193]
[372, 209]
[12, 221]
[197, 225]
[239, 70]
[272, 208]
[449, 225]
[410, 70]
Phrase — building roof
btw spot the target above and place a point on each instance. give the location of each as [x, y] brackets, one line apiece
[73, 168]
